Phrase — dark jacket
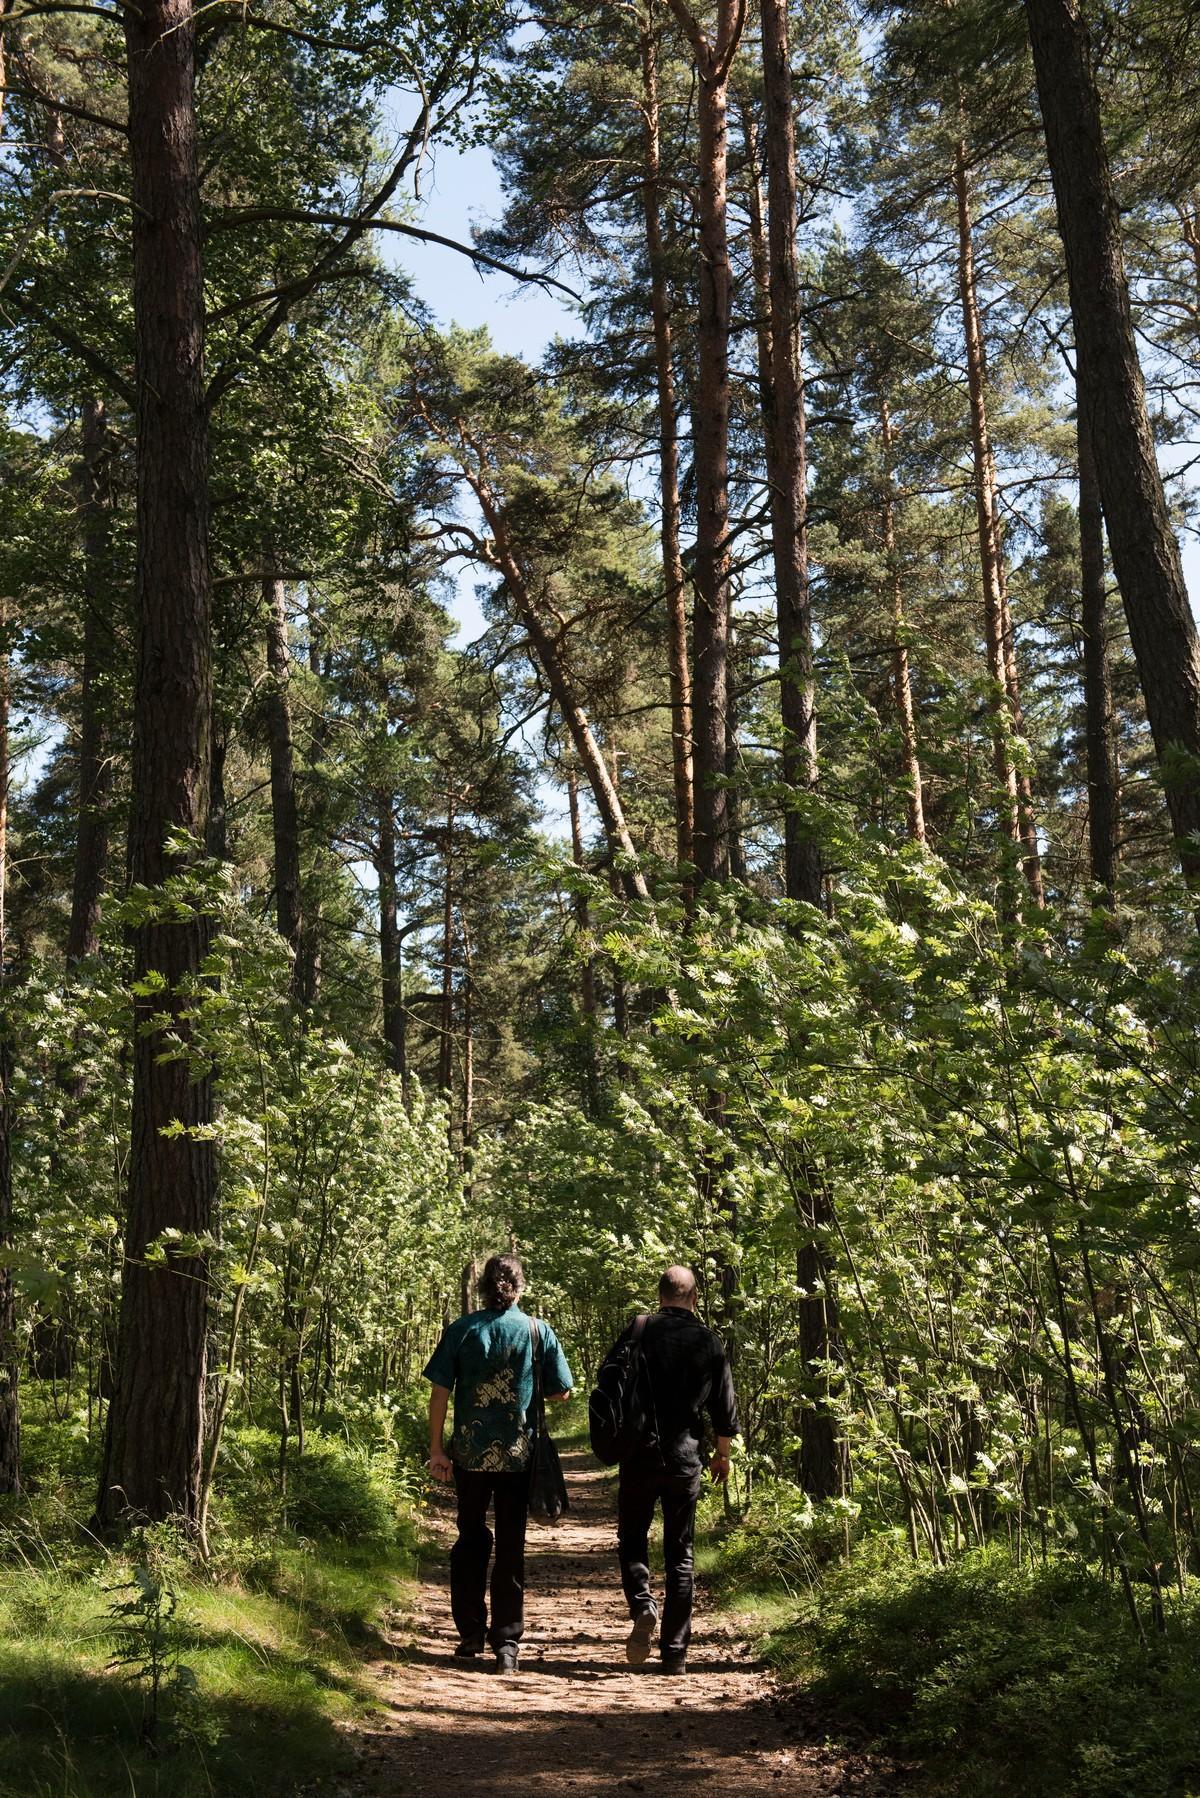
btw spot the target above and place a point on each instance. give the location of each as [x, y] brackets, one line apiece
[689, 1375]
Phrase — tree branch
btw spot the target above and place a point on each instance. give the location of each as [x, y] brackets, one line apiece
[254, 215]
[74, 112]
[76, 345]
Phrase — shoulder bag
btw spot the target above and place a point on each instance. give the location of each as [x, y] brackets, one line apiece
[547, 1487]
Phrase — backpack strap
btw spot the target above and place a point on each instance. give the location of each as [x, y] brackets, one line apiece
[539, 1397]
[639, 1325]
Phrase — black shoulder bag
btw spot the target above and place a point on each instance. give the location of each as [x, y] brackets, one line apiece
[547, 1487]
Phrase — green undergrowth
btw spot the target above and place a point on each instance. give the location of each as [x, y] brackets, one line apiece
[988, 1678]
[259, 1656]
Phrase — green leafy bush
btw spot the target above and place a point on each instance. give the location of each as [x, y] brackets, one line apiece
[1005, 1680]
[334, 1489]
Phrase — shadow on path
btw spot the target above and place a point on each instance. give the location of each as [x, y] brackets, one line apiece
[576, 1717]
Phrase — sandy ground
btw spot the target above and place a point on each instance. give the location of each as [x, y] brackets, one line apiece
[576, 1718]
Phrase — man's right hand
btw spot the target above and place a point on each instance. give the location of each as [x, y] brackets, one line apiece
[441, 1466]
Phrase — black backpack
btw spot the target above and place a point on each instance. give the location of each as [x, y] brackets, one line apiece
[621, 1419]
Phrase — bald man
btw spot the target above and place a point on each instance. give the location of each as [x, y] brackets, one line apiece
[688, 1376]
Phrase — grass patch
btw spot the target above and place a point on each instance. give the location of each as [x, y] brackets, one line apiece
[274, 1668]
[261, 1652]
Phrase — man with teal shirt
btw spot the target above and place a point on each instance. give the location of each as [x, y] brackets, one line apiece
[486, 1360]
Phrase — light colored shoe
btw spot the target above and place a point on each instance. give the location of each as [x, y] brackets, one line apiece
[637, 1645]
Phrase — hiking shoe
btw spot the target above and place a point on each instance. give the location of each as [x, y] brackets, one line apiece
[466, 1650]
[674, 1663]
[506, 1659]
[637, 1644]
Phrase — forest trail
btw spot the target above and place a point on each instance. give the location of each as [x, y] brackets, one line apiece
[577, 1717]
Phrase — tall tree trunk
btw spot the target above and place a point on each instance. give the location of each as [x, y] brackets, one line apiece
[285, 819]
[1026, 812]
[901, 677]
[1103, 768]
[95, 766]
[781, 385]
[395, 1015]
[824, 1470]
[155, 1418]
[710, 437]
[1016, 792]
[216, 835]
[10, 1360]
[668, 456]
[1112, 401]
[318, 664]
[467, 1113]
[786, 445]
[738, 869]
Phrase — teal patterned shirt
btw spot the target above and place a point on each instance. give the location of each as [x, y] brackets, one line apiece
[486, 1357]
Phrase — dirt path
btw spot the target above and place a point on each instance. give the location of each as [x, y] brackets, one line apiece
[576, 1717]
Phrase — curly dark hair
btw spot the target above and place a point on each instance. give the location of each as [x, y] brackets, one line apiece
[502, 1282]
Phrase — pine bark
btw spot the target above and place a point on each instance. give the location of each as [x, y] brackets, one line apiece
[710, 438]
[785, 437]
[95, 764]
[318, 664]
[1112, 401]
[674, 584]
[824, 1468]
[216, 836]
[739, 869]
[155, 1419]
[1103, 766]
[285, 817]
[901, 673]
[1015, 787]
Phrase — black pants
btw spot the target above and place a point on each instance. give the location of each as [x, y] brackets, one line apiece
[639, 1491]
[509, 1494]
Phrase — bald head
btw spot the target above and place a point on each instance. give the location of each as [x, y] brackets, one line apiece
[678, 1287]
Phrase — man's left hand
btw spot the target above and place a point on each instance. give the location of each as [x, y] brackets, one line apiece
[719, 1468]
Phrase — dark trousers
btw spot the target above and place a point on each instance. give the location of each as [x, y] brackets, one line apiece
[508, 1493]
[638, 1493]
